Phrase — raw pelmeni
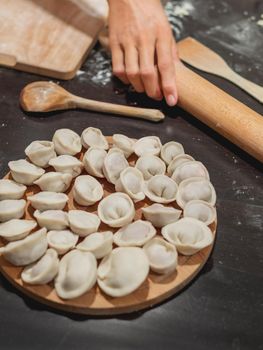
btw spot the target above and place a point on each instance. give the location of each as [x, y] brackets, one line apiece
[124, 143]
[67, 165]
[148, 145]
[52, 219]
[87, 190]
[131, 182]
[135, 234]
[114, 163]
[200, 210]
[9, 189]
[48, 200]
[123, 271]
[54, 182]
[26, 250]
[150, 166]
[15, 229]
[98, 243]
[116, 210]
[159, 215]
[178, 160]
[170, 150]
[66, 141]
[189, 235]
[161, 189]
[40, 152]
[93, 161]
[189, 169]
[43, 271]
[12, 209]
[24, 172]
[82, 222]
[92, 137]
[76, 275]
[62, 240]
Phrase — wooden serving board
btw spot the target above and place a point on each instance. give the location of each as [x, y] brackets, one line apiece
[154, 290]
[46, 37]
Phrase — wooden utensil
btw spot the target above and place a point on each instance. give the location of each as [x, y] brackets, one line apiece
[43, 96]
[199, 56]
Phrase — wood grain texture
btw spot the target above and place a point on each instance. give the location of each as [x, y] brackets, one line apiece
[154, 290]
[46, 37]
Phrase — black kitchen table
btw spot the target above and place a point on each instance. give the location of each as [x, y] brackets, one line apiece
[222, 307]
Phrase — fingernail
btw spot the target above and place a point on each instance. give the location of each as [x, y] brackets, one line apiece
[171, 100]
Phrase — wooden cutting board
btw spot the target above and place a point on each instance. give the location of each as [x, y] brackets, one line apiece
[46, 37]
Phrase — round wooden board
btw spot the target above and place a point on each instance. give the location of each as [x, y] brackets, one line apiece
[154, 290]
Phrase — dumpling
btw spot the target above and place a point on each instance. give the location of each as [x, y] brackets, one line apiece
[150, 166]
[189, 169]
[66, 141]
[170, 150]
[114, 163]
[200, 210]
[43, 271]
[131, 182]
[124, 143]
[116, 210]
[62, 240]
[76, 275]
[98, 243]
[24, 172]
[161, 189]
[12, 209]
[188, 235]
[26, 250]
[178, 160]
[162, 255]
[40, 152]
[123, 271]
[9, 189]
[92, 137]
[87, 190]
[195, 188]
[52, 219]
[82, 222]
[67, 165]
[159, 215]
[148, 145]
[15, 229]
[93, 161]
[54, 182]
[135, 234]
[48, 200]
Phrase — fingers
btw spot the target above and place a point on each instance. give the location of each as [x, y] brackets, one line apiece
[118, 63]
[132, 68]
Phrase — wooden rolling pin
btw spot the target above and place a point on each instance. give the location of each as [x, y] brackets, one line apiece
[223, 113]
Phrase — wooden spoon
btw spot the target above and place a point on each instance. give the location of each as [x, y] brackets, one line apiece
[43, 96]
[199, 56]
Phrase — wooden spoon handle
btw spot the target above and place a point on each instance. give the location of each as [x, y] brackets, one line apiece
[223, 113]
[134, 112]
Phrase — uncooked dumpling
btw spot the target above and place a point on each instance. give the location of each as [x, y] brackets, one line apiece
[178, 160]
[82, 222]
[123, 271]
[93, 161]
[52, 219]
[200, 210]
[12, 209]
[26, 250]
[67, 165]
[114, 163]
[98, 243]
[66, 141]
[170, 150]
[76, 275]
[24, 172]
[161, 189]
[124, 143]
[48, 200]
[116, 210]
[40, 152]
[162, 255]
[43, 271]
[189, 235]
[87, 190]
[150, 166]
[131, 182]
[15, 229]
[54, 182]
[189, 169]
[159, 215]
[148, 145]
[9, 189]
[62, 240]
[92, 137]
[135, 234]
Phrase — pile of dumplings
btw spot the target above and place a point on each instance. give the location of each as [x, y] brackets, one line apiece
[68, 248]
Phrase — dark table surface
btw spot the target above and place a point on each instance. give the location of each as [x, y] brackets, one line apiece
[222, 307]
